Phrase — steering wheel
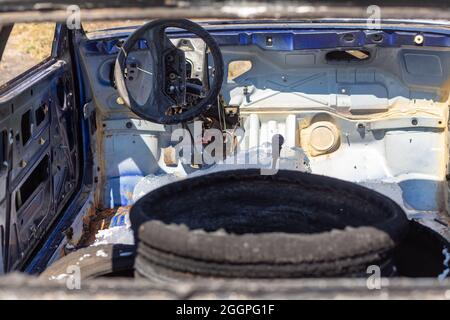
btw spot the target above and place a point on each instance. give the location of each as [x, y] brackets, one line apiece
[166, 83]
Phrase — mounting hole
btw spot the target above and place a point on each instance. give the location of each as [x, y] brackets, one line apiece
[377, 37]
[414, 122]
[348, 37]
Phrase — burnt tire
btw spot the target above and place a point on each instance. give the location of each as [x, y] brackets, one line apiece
[94, 262]
[247, 225]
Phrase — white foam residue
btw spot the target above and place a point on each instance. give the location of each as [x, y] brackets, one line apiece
[446, 271]
[59, 277]
[101, 253]
[119, 234]
[84, 257]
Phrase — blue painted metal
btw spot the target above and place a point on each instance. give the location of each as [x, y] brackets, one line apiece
[298, 39]
[109, 47]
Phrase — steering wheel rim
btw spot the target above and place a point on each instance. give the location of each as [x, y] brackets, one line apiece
[158, 103]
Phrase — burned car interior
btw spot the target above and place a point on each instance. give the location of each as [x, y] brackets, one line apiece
[185, 149]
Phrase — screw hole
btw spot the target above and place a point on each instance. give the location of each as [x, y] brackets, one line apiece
[349, 37]
[377, 37]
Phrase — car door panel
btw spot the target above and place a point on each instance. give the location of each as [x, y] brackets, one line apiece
[5, 112]
[40, 125]
[27, 218]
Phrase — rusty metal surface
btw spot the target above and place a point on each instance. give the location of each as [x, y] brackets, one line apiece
[27, 11]
[101, 220]
[18, 286]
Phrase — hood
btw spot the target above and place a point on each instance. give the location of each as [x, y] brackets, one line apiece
[57, 10]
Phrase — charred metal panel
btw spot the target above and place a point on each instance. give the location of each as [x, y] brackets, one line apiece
[36, 152]
[5, 164]
[40, 123]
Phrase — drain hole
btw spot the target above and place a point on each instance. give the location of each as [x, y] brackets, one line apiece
[349, 37]
[377, 37]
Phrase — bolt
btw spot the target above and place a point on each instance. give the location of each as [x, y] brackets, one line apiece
[171, 89]
[418, 39]
[120, 101]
